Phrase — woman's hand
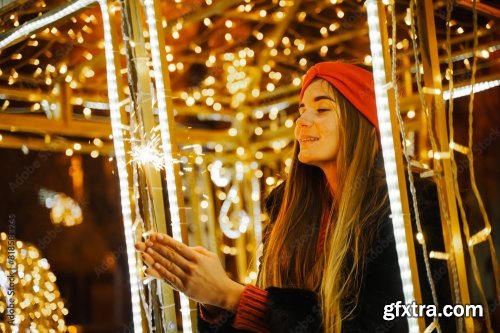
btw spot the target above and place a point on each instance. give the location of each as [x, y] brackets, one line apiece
[194, 271]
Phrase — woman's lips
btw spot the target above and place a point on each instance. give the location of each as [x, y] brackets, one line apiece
[306, 139]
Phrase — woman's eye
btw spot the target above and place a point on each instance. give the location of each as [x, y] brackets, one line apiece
[323, 110]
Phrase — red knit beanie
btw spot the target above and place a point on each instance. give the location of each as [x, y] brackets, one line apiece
[353, 82]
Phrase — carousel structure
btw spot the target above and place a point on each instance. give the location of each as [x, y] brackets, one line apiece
[195, 102]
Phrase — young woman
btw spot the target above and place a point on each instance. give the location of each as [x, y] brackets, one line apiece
[329, 262]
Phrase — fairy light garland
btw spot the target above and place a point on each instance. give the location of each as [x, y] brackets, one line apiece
[387, 143]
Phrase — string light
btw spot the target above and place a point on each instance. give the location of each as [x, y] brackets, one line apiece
[116, 126]
[389, 155]
[333, 27]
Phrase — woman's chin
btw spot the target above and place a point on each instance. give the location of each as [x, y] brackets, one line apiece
[306, 159]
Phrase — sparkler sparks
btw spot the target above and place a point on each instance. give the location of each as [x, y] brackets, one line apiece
[148, 153]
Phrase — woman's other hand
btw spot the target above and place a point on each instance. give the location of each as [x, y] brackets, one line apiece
[194, 271]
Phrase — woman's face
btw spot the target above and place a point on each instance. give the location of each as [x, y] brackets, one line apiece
[317, 129]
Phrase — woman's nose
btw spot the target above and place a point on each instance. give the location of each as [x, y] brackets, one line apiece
[304, 119]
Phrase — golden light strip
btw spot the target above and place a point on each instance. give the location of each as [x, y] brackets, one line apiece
[386, 137]
[116, 124]
[167, 147]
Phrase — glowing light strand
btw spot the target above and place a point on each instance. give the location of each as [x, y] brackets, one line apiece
[389, 155]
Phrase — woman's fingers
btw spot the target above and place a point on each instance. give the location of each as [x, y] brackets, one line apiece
[166, 259]
[195, 271]
[170, 254]
[140, 246]
[158, 272]
[201, 250]
[182, 249]
[168, 277]
[150, 271]
[167, 264]
[147, 259]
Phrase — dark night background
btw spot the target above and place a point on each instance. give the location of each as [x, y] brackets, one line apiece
[89, 260]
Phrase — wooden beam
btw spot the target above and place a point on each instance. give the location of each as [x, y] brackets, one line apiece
[93, 129]
[437, 116]
[13, 142]
[35, 124]
[24, 95]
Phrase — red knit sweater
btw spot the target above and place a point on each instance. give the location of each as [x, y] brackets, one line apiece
[252, 313]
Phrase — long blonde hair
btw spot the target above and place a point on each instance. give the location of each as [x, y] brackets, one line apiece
[290, 258]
